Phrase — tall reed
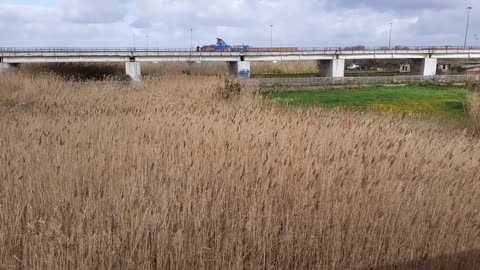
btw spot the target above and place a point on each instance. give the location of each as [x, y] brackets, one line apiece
[167, 174]
[472, 108]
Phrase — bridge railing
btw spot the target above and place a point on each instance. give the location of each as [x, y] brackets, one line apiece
[450, 49]
[96, 49]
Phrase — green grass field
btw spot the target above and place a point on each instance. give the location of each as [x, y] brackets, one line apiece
[429, 101]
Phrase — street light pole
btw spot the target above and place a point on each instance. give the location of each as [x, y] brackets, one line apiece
[390, 37]
[466, 30]
[191, 38]
[475, 37]
[147, 39]
[134, 43]
[271, 35]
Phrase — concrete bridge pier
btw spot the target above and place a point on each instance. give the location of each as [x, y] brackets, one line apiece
[425, 67]
[5, 66]
[239, 68]
[133, 70]
[331, 68]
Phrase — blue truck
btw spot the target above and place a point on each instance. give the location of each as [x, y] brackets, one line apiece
[222, 46]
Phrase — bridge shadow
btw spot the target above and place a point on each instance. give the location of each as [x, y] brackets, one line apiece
[463, 261]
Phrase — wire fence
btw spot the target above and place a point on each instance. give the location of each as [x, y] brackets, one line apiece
[313, 81]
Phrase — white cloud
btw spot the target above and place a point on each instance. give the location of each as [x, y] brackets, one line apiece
[93, 11]
[301, 23]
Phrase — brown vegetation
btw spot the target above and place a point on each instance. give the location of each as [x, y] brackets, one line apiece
[472, 107]
[178, 68]
[284, 67]
[167, 174]
[96, 71]
[78, 71]
[101, 71]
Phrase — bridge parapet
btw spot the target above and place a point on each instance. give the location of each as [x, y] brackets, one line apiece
[183, 51]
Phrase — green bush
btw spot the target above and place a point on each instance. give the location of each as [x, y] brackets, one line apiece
[9, 103]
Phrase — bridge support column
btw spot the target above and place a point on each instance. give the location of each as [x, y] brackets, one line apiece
[5, 66]
[425, 67]
[239, 68]
[133, 70]
[331, 68]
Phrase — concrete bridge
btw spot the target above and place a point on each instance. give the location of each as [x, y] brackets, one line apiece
[331, 61]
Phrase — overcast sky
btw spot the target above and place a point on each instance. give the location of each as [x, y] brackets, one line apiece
[299, 23]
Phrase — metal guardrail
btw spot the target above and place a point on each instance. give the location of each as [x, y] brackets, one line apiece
[255, 49]
[313, 81]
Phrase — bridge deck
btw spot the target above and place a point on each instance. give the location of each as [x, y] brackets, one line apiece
[332, 66]
[27, 55]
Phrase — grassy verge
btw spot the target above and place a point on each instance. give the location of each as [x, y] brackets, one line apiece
[431, 100]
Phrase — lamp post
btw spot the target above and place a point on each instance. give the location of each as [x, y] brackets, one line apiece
[390, 37]
[476, 40]
[146, 36]
[134, 43]
[271, 35]
[191, 39]
[466, 30]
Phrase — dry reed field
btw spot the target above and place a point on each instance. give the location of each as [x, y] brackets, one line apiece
[169, 68]
[285, 67]
[102, 70]
[210, 69]
[175, 68]
[473, 110]
[167, 175]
